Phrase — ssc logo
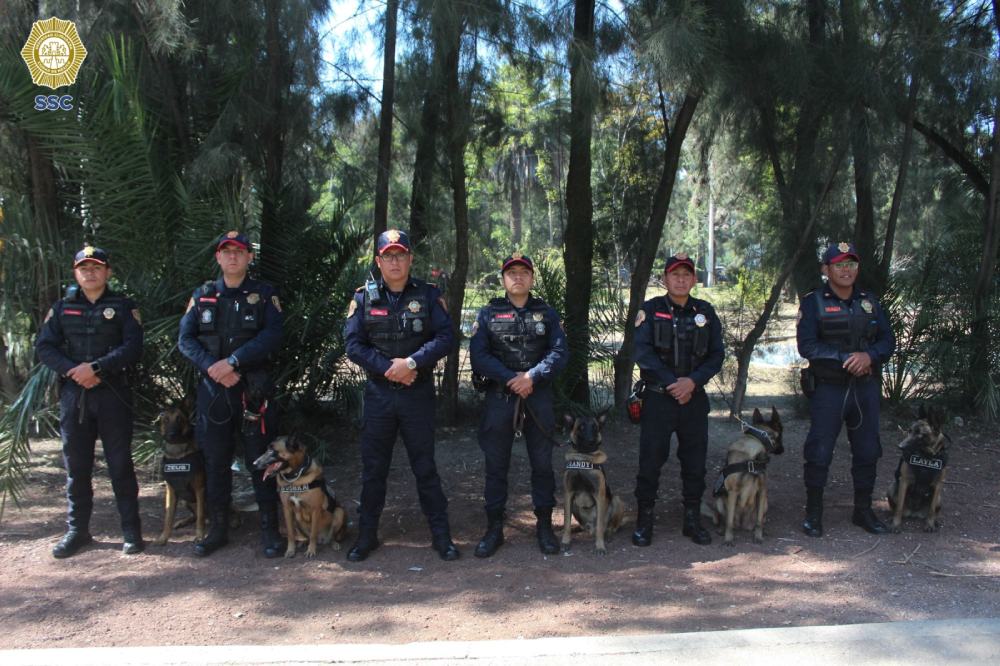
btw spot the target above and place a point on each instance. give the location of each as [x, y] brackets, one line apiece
[53, 53]
[53, 102]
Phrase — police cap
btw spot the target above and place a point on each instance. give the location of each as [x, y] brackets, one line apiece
[679, 260]
[393, 238]
[517, 258]
[233, 238]
[91, 253]
[839, 252]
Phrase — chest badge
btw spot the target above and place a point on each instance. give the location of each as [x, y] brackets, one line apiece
[253, 299]
[109, 313]
[418, 325]
[414, 307]
[538, 316]
[539, 328]
[206, 316]
[700, 320]
[867, 306]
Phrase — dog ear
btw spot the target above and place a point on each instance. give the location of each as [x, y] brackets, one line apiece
[568, 420]
[757, 417]
[935, 416]
[292, 442]
[922, 412]
[602, 417]
[775, 419]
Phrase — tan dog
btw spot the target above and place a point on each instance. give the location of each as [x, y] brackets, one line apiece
[183, 471]
[916, 491]
[312, 514]
[741, 489]
[586, 491]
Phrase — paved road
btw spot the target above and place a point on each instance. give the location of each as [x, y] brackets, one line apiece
[926, 642]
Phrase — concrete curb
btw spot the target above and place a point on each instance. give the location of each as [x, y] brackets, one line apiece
[968, 641]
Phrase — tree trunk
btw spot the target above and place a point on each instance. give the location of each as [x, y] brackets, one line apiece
[515, 209]
[272, 144]
[425, 163]
[885, 261]
[384, 167]
[45, 207]
[578, 255]
[457, 113]
[650, 241]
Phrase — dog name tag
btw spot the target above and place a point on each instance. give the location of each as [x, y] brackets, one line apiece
[175, 468]
[929, 463]
[294, 489]
[579, 464]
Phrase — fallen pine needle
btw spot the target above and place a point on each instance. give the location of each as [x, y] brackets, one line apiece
[868, 550]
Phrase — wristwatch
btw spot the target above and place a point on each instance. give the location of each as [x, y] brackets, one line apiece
[96, 367]
[411, 364]
[233, 361]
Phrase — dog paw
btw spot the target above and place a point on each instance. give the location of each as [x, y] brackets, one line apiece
[601, 550]
[310, 552]
[931, 528]
[160, 542]
[731, 543]
[896, 529]
[758, 539]
[290, 553]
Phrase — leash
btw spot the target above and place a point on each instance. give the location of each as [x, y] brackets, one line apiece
[746, 427]
[522, 409]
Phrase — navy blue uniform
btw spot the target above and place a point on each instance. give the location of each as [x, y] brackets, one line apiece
[508, 340]
[245, 324]
[106, 332]
[671, 342]
[828, 331]
[411, 324]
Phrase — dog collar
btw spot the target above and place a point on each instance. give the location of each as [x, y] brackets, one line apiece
[761, 435]
[291, 479]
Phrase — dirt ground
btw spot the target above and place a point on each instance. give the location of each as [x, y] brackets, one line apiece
[403, 592]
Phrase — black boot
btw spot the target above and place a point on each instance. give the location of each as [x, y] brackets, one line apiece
[813, 524]
[272, 545]
[445, 548]
[692, 526]
[643, 535]
[72, 541]
[132, 540]
[366, 543]
[863, 515]
[547, 542]
[218, 533]
[493, 538]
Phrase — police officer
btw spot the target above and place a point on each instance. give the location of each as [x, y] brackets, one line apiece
[678, 346]
[90, 338]
[518, 347]
[844, 334]
[230, 332]
[397, 329]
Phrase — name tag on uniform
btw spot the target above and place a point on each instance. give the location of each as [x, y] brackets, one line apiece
[73, 312]
[929, 463]
[172, 468]
[378, 312]
[832, 308]
[504, 315]
[207, 299]
[664, 315]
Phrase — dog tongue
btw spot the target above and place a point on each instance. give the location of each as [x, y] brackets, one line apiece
[272, 469]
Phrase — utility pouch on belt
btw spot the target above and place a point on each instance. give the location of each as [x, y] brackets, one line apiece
[807, 381]
[633, 404]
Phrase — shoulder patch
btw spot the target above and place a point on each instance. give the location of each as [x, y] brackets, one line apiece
[136, 316]
[444, 305]
[352, 308]
[190, 305]
[640, 317]
[48, 315]
[475, 327]
[276, 302]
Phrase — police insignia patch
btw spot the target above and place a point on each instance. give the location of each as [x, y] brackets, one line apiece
[414, 307]
[844, 247]
[516, 255]
[475, 326]
[88, 251]
[352, 308]
[53, 53]
[136, 316]
[444, 306]
[640, 317]
[539, 328]
[867, 306]
[109, 313]
[232, 234]
[392, 235]
[538, 316]
[206, 316]
[700, 320]
[681, 255]
[253, 299]
[276, 302]
[48, 315]
[418, 325]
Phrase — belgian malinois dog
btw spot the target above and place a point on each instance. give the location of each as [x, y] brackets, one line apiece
[183, 470]
[312, 514]
[916, 491]
[741, 489]
[588, 497]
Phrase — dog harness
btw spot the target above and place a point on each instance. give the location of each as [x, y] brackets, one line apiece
[178, 472]
[291, 489]
[926, 469]
[755, 466]
[584, 464]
